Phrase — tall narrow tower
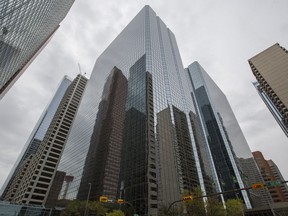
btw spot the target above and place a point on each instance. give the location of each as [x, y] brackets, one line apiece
[35, 175]
[224, 138]
[38, 132]
[25, 29]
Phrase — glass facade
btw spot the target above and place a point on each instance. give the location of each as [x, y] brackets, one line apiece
[26, 27]
[12, 209]
[226, 142]
[39, 131]
[148, 116]
[272, 107]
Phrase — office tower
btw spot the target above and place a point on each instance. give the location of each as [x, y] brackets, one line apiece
[136, 115]
[26, 27]
[278, 176]
[34, 177]
[106, 139]
[270, 68]
[259, 198]
[268, 175]
[225, 140]
[38, 132]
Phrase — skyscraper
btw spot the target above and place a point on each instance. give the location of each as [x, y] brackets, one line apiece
[278, 176]
[270, 68]
[34, 176]
[26, 27]
[267, 173]
[224, 138]
[38, 132]
[150, 132]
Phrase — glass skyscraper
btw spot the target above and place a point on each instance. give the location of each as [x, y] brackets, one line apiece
[136, 115]
[26, 27]
[149, 130]
[225, 141]
[39, 131]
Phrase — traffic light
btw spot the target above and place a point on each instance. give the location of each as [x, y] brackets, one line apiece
[258, 185]
[120, 201]
[103, 199]
[186, 198]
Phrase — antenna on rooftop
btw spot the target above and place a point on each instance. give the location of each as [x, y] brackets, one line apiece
[79, 66]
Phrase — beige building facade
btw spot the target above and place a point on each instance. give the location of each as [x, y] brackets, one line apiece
[270, 68]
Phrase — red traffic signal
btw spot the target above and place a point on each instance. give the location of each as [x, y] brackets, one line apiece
[258, 185]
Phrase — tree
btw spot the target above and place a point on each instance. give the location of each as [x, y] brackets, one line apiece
[77, 208]
[115, 213]
[174, 210]
[73, 208]
[214, 207]
[234, 207]
[195, 207]
[163, 211]
[127, 209]
[96, 208]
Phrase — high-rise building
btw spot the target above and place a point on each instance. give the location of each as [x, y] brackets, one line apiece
[148, 130]
[36, 175]
[137, 116]
[270, 68]
[268, 175]
[26, 27]
[278, 176]
[38, 132]
[225, 141]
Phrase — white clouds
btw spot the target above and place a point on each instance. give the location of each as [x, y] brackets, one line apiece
[221, 35]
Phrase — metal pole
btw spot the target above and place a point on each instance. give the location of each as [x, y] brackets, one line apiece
[87, 199]
[50, 212]
[131, 206]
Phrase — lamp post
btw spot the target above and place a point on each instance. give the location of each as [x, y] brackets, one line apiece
[134, 212]
[87, 199]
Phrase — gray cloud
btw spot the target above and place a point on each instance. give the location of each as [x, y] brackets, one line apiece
[221, 35]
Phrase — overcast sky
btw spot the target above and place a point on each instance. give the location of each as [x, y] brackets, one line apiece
[221, 35]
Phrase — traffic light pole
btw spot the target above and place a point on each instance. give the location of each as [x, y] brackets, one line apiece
[216, 194]
[130, 206]
[209, 195]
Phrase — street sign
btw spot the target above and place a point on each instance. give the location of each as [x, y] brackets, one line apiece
[186, 198]
[258, 185]
[273, 183]
[120, 201]
[103, 199]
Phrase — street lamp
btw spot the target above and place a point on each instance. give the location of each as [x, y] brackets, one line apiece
[87, 199]
[134, 212]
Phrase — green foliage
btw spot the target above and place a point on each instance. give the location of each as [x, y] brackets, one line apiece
[214, 207]
[163, 211]
[234, 207]
[174, 210]
[74, 207]
[77, 208]
[195, 207]
[127, 209]
[115, 213]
